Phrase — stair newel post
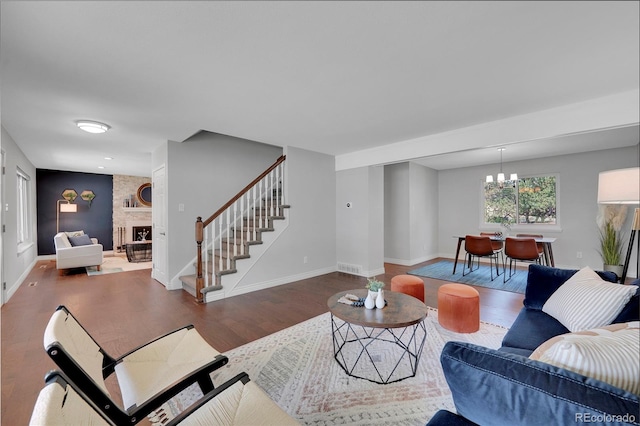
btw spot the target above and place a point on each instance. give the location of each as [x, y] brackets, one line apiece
[199, 239]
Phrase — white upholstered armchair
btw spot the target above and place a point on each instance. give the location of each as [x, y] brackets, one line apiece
[70, 256]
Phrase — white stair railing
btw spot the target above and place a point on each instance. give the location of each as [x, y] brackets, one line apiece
[226, 235]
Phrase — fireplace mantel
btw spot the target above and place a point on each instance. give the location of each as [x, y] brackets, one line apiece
[137, 209]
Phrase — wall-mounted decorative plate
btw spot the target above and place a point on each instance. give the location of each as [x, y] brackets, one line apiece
[144, 194]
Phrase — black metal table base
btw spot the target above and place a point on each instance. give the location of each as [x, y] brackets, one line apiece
[380, 355]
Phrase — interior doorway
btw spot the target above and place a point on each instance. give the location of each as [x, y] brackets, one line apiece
[159, 226]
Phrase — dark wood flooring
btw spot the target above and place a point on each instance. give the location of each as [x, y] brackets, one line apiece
[127, 309]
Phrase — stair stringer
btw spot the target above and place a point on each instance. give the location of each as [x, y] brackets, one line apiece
[231, 282]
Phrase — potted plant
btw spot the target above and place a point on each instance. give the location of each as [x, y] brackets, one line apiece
[374, 285]
[610, 221]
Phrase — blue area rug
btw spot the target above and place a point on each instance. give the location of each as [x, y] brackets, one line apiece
[443, 270]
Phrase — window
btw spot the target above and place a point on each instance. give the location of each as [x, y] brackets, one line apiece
[530, 201]
[24, 211]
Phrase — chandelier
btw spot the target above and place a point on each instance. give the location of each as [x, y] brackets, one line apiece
[501, 179]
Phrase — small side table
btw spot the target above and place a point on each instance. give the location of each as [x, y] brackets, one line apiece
[138, 251]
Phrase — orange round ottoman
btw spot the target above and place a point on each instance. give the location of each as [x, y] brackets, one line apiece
[459, 308]
[408, 284]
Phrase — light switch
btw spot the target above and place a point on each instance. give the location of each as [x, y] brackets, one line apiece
[180, 207]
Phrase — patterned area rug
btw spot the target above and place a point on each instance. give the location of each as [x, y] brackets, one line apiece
[296, 368]
[114, 264]
[93, 270]
[443, 270]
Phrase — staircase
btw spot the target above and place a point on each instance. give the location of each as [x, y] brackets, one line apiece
[226, 236]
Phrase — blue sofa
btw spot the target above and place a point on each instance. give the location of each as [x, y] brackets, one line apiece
[505, 387]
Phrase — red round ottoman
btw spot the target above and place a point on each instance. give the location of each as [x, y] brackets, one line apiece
[459, 308]
[408, 284]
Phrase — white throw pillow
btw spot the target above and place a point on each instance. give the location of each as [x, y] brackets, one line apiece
[586, 301]
[610, 354]
[74, 233]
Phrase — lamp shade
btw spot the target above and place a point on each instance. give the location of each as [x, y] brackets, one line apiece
[68, 208]
[619, 186]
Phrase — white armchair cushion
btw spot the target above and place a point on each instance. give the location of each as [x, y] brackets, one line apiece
[59, 406]
[240, 405]
[65, 330]
[157, 365]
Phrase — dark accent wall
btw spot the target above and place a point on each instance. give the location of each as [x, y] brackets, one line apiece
[96, 221]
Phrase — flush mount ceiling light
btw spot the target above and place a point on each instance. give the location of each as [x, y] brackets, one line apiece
[92, 126]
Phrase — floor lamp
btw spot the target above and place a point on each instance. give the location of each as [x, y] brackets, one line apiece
[623, 187]
[67, 207]
[635, 227]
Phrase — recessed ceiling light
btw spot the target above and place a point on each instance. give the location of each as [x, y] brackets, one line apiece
[92, 126]
[108, 158]
[101, 167]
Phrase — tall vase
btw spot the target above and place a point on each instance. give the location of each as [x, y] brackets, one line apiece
[370, 301]
[380, 299]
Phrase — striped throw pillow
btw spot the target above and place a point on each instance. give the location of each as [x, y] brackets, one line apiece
[585, 301]
[610, 354]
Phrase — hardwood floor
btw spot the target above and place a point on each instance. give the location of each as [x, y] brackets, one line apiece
[127, 309]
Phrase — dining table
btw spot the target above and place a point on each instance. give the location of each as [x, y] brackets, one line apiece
[546, 244]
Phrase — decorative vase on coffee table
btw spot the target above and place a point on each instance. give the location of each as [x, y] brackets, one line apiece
[370, 301]
[380, 299]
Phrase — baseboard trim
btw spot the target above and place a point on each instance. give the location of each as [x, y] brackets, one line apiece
[243, 289]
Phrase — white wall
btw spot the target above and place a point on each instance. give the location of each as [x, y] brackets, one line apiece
[202, 174]
[16, 265]
[423, 209]
[311, 230]
[360, 228]
[410, 213]
[460, 204]
[397, 221]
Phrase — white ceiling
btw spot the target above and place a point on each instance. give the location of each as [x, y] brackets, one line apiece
[332, 77]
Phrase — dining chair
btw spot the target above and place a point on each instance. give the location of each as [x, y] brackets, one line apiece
[519, 249]
[236, 401]
[479, 246]
[496, 245]
[147, 376]
[539, 245]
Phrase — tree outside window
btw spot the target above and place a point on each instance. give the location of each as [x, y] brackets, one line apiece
[528, 201]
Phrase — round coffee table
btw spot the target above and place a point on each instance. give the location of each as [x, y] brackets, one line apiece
[379, 345]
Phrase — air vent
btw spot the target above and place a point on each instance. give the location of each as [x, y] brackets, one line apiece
[350, 269]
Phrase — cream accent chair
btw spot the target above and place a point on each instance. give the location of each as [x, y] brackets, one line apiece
[236, 402]
[147, 376]
[68, 256]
